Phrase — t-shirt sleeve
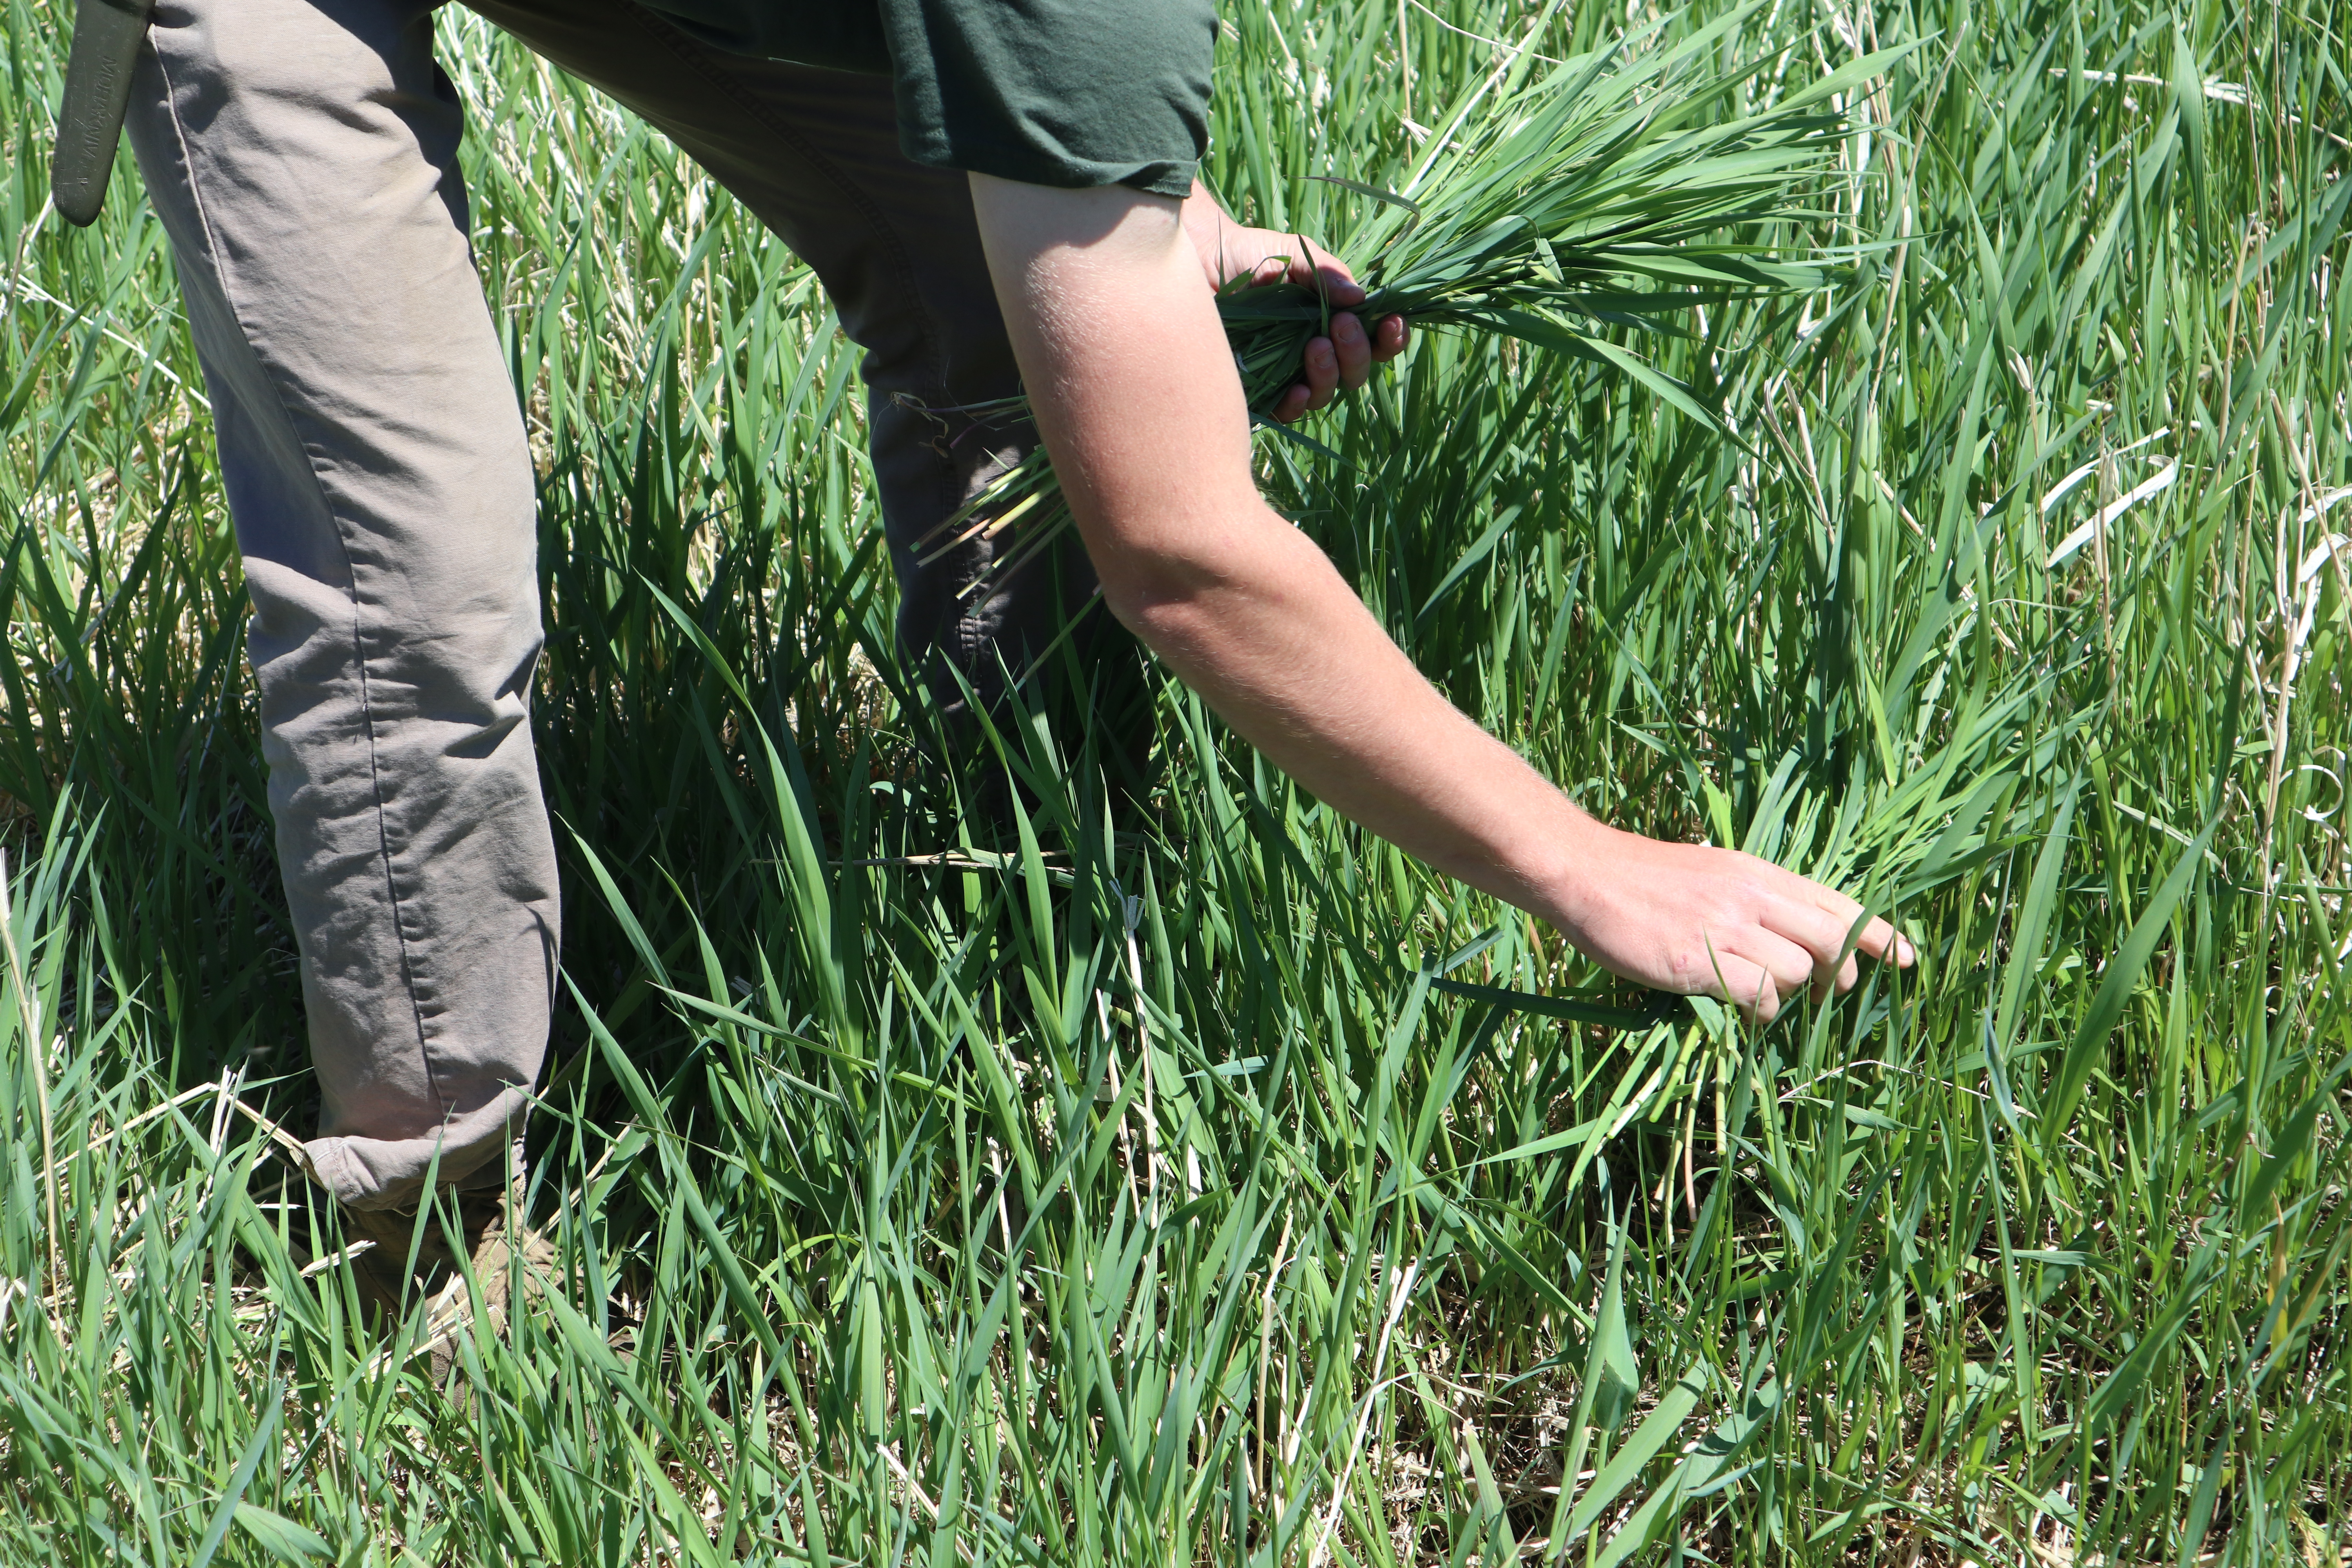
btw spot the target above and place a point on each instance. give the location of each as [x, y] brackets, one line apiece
[1072, 93]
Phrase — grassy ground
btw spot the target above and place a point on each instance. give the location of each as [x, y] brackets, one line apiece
[1157, 1199]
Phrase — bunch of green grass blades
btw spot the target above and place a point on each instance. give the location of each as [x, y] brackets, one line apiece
[1609, 192]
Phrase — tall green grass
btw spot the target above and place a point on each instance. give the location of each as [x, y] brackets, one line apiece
[1238, 1190]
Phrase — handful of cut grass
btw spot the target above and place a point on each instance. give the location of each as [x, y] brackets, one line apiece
[1609, 192]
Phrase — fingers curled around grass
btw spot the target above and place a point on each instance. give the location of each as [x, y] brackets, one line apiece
[1342, 362]
[1320, 365]
[1353, 349]
[1315, 267]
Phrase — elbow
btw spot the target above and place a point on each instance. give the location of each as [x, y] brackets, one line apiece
[1186, 579]
[1167, 604]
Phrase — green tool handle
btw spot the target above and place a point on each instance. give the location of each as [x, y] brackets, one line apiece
[106, 38]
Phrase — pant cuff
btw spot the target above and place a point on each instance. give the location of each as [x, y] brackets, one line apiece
[374, 1173]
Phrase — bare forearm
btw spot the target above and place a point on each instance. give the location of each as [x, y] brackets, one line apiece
[1278, 645]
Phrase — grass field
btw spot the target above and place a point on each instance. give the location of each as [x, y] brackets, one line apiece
[1205, 1195]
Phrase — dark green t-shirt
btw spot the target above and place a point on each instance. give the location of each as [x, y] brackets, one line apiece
[1053, 92]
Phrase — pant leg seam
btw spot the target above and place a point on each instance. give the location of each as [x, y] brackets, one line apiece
[350, 577]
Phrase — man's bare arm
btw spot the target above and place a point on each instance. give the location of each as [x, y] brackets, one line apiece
[1141, 408]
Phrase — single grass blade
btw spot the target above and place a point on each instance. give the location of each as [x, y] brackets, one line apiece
[2122, 974]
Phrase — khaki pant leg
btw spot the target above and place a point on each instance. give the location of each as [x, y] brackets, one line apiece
[302, 155]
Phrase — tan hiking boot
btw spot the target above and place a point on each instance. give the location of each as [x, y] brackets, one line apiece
[502, 1257]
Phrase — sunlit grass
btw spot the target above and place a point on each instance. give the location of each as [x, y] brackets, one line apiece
[924, 1195]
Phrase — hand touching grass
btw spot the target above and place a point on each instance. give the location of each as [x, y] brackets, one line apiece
[1340, 362]
[1698, 920]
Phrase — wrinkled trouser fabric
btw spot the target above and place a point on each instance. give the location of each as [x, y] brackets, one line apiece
[303, 157]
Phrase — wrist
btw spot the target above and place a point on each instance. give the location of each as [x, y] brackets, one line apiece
[1565, 880]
